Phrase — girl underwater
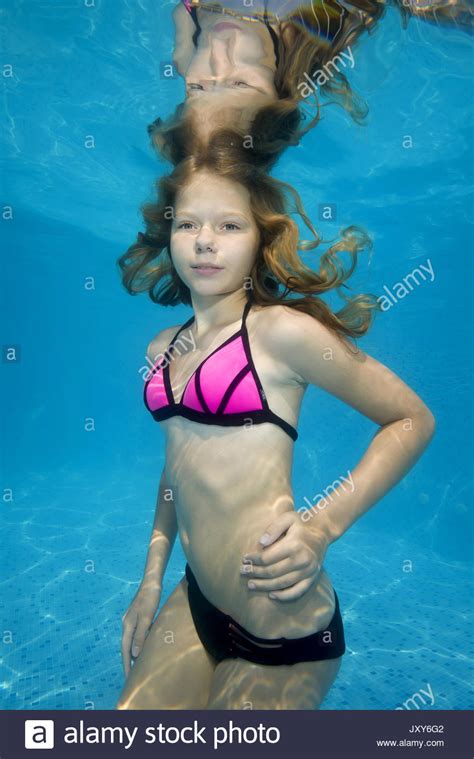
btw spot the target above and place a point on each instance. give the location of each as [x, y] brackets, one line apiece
[227, 387]
[265, 69]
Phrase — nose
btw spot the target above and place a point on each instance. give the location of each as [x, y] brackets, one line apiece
[205, 241]
[220, 57]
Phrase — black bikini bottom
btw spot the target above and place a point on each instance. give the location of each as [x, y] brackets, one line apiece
[224, 638]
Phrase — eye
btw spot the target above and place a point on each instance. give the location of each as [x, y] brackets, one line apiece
[185, 225]
[194, 86]
[232, 225]
[241, 84]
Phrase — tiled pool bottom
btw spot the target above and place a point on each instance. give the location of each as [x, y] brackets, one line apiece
[73, 574]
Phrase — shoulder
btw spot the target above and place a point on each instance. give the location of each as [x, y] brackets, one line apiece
[286, 326]
[317, 355]
[300, 340]
[160, 342]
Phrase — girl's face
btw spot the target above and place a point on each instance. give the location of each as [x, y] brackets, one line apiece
[214, 237]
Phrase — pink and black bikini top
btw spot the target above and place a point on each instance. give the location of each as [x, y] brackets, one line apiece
[225, 389]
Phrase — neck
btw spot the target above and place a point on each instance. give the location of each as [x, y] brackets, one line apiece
[216, 312]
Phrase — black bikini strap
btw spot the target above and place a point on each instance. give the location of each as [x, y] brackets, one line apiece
[186, 324]
[197, 31]
[247, 308]
[273, 34]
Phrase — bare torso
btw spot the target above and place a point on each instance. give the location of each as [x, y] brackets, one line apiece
[229, 483]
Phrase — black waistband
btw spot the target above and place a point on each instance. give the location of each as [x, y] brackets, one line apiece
[335, 625]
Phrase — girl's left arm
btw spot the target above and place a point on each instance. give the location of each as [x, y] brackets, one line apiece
[406, 424]
[297, 541]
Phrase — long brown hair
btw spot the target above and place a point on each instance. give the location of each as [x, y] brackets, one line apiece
[278, 271]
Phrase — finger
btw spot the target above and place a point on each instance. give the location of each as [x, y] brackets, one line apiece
[127, 634]
[139, 637]
[277, 583]
[293, 593]
[273, 569]
[125, 665]
[126, 661]
[277, 528]
[126, 669]
[277, 552]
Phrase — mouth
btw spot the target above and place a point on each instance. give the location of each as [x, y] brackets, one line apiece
[224, 26]
[205, 266]
[208, 270]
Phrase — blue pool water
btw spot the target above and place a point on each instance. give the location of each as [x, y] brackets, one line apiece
[85, 83]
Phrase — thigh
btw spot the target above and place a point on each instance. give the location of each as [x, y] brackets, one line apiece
[173, 670]
[240, 684]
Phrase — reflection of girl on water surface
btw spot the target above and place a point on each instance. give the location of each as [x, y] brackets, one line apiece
[269, 72]
[228, 393]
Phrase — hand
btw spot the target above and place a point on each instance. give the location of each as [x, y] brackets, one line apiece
[286, 566]
[136, 623]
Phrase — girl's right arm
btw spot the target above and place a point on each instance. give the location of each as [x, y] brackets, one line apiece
[139, 616]
[163, 535]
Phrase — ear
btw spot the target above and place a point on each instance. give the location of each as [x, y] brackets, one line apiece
[288, 34]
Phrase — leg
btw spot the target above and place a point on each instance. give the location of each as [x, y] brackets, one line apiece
[240, 684]
[173, 670]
